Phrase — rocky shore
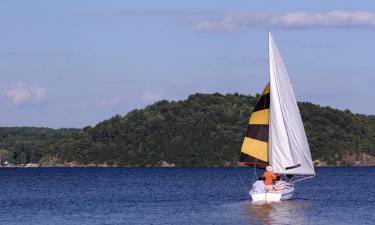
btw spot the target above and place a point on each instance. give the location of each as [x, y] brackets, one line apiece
[55, 162]
[50, 161]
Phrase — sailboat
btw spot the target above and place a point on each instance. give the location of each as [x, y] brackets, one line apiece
[275, 135]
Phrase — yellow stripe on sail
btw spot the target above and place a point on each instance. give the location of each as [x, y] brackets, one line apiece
[255, 148]
[266, 89]
[260, 117]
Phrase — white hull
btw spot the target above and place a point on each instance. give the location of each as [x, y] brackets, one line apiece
[272, 196]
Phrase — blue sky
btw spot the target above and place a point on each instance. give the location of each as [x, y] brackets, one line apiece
[76, 63]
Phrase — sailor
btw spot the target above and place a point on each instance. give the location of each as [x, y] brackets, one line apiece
[269, 176]
[280, 184]
[258, 186]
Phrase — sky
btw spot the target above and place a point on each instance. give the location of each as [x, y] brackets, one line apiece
[74, 63]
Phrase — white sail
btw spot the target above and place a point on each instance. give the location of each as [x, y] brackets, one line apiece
[289, 152]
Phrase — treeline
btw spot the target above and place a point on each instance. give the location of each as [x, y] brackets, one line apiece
[20, 145]
[204, 130]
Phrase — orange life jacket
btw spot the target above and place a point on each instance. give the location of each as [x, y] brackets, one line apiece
[269, 177]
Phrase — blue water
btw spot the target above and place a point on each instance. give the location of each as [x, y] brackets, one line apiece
[342, 195]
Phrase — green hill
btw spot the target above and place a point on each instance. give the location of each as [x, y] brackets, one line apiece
[204, 130]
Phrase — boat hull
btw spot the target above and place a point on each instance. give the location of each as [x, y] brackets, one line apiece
[266, 197]
[287, 193]
[272, 196]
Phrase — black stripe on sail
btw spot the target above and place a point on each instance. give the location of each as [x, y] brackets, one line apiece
[263, 103]
[249, 160]
[257, 132]
[292, 167]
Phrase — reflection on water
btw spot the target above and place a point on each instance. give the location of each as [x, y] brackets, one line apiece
[284, 212]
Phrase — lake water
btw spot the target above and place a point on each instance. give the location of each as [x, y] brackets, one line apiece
[57, 196]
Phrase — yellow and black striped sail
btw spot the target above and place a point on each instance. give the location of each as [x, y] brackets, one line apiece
[254, 149]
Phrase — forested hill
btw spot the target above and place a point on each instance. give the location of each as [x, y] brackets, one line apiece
[204, 130]
[21, 145]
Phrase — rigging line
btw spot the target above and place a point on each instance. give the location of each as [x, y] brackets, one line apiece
[303, 179]
[255, 175]
[239, 176]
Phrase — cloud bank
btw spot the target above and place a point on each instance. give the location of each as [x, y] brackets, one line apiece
[232, 22]
[22, 93]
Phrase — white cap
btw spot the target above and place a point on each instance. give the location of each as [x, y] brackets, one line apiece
[269, 168]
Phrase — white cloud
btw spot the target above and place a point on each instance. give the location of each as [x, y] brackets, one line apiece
[329, 19]
[21, 93]
[231, 22]
[114, 101]
[243, 21]
[152, 96]
[146, 97]
[180, 82]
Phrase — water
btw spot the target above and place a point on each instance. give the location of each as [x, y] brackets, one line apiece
[59, 196]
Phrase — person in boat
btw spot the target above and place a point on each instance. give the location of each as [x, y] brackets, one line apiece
[280, 184]
[269, 176]
[259, 186]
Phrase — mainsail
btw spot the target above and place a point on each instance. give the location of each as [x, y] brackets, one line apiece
[285, 146]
